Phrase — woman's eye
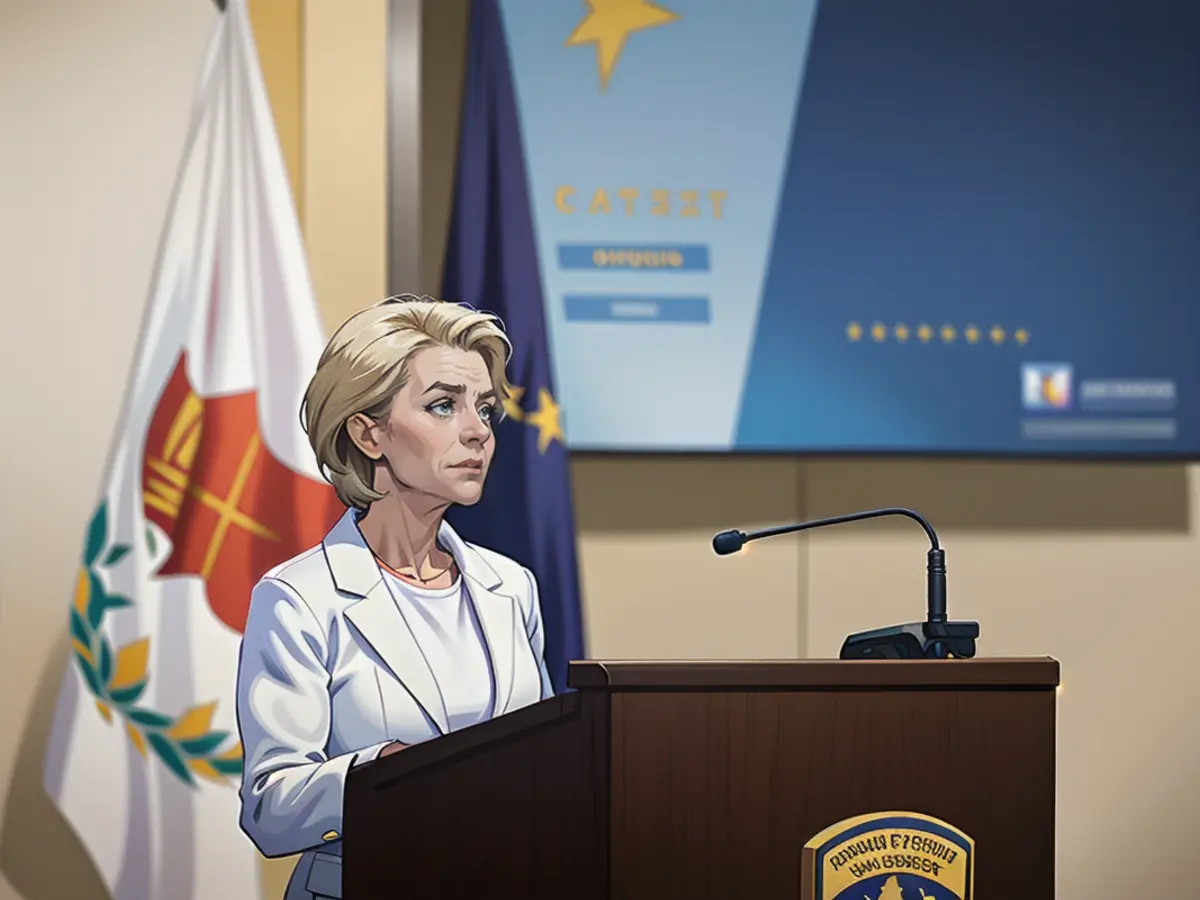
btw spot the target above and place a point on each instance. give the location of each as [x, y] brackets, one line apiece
[487, 412]
[442, 408]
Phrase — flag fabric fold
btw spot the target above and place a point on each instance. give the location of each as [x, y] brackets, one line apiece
[492, 263]
[210, 482]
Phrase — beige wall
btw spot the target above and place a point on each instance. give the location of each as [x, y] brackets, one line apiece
[1093, 564]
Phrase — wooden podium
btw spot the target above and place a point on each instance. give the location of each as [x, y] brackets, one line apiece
[664, 780]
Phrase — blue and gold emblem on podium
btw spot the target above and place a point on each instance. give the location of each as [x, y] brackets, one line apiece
[888, 856]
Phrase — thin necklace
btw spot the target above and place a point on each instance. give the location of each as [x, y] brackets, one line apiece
[415, 576]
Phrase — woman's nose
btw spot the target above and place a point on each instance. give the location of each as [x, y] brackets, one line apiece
[475, 428]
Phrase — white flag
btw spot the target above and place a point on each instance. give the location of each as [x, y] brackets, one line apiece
[210, 483]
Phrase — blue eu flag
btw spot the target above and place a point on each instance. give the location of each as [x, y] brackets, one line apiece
[492, 264]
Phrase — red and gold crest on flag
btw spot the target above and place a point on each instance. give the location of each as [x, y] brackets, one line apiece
[231, 509]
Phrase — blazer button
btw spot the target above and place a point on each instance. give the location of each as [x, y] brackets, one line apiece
[329, 836]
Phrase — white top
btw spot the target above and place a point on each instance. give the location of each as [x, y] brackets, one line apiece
[448, 633]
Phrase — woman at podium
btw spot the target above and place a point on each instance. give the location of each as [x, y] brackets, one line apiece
[393, 630]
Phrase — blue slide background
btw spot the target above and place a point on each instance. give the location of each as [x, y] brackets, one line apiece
[1027, 164]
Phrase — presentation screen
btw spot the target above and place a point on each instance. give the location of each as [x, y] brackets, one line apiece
[889, 226]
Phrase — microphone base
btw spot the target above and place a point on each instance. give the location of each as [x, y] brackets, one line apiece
[916, 640]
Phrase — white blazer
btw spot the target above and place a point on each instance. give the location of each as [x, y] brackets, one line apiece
[330, 673]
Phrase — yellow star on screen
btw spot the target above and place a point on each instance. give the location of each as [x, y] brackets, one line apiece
[879, 331]
[854, 331]
[948, 333]
[901, 333]
[925, 333]
[512, 403]
[1021, 335]
[609, 25]
[972, 333]
[997, 334]
[547, 419]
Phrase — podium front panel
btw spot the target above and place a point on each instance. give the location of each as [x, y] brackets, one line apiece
[714, 794]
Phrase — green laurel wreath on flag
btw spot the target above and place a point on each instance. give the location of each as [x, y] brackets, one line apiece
[186, 744]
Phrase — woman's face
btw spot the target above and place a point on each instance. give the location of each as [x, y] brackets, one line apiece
[438, 437]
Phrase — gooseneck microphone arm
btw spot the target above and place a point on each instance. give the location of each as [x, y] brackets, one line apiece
[934, 637]
[742, 537]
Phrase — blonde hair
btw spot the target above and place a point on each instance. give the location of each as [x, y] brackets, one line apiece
[366, 363]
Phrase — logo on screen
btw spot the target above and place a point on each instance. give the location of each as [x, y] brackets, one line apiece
[1046, 385]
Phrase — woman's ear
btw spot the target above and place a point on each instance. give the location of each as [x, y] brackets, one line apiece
[362, 431]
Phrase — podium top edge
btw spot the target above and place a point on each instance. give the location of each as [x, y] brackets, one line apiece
[816, 674]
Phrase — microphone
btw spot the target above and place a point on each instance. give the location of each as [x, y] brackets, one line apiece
[935, 638]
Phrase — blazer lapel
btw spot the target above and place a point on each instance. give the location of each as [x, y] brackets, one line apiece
[378, 618]
[496, 609]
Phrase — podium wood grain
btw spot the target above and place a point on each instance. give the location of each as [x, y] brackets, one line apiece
[673, 780]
